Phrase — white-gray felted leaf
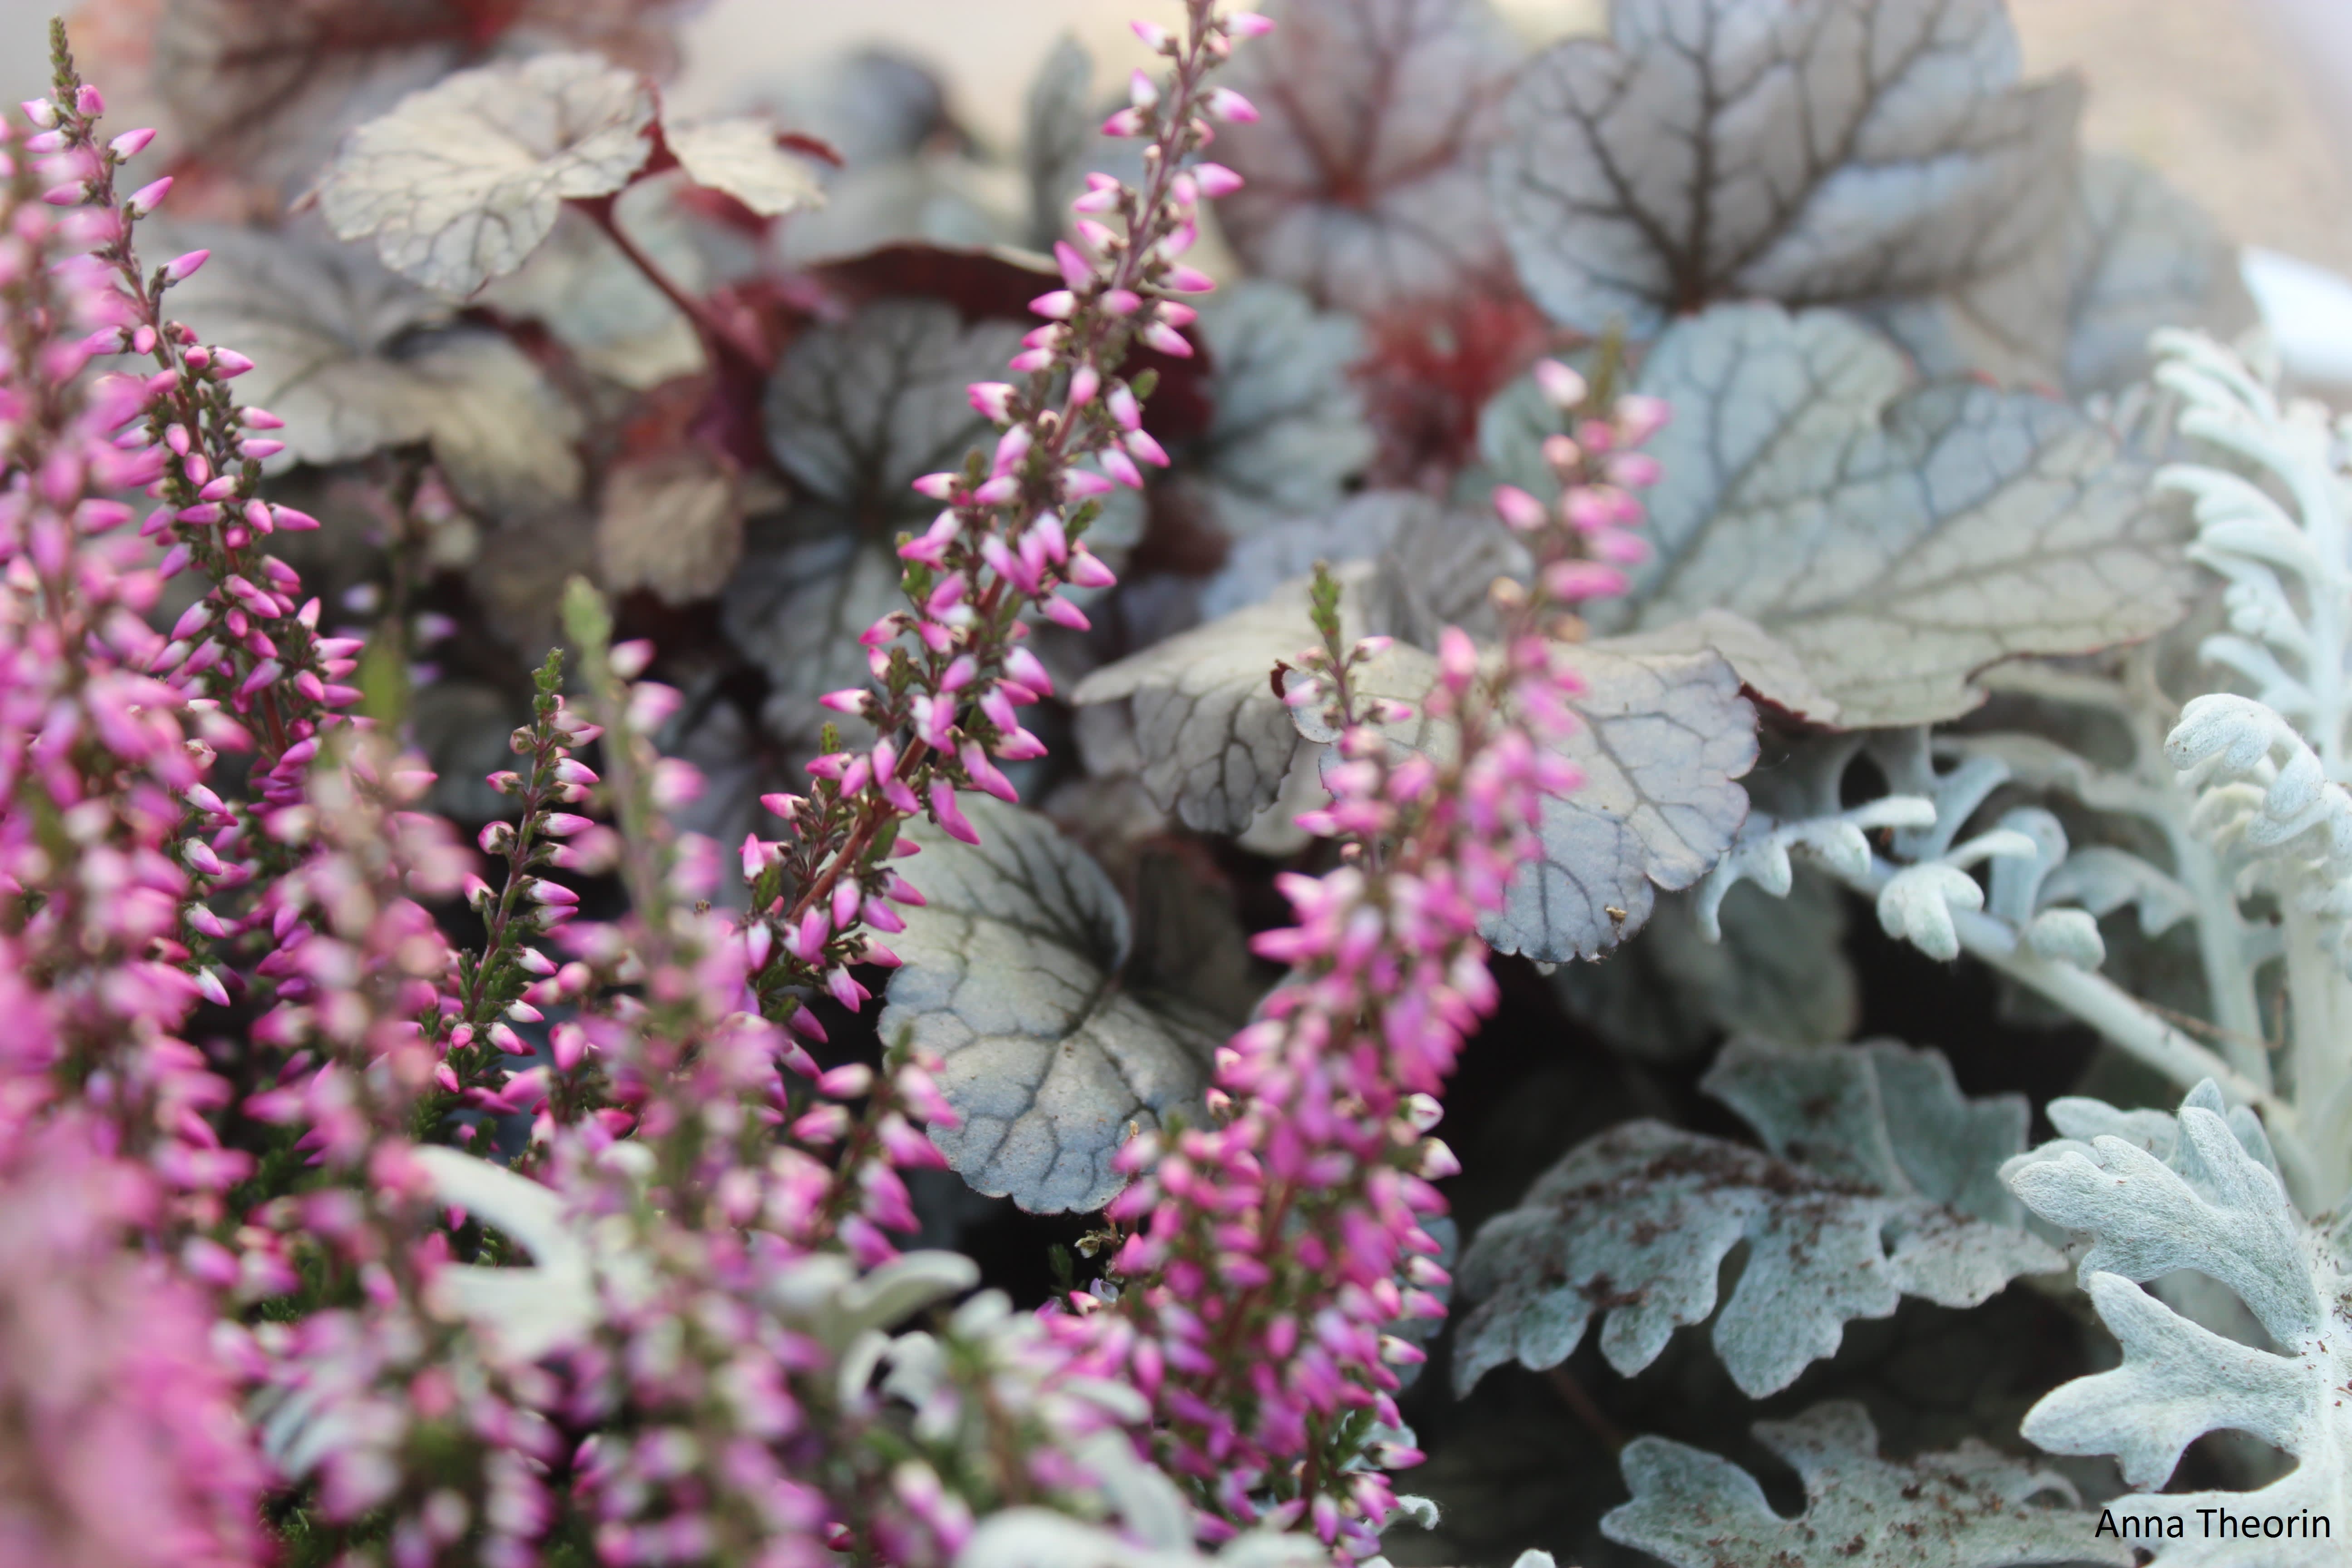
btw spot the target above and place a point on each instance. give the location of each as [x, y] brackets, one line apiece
[1365, 180]
[1812, 152]
[1015, 974]
[1665, 737]
[1976, 1507]
[460, 183]
[1288, 429]
[740, 158]
[1897, 1196]
[2155, 1193]
[1895, 539]
[2143, 257]
[354, 360]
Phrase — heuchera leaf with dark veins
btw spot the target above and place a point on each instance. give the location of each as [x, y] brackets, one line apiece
[1288, 430]
[855, 413]
[1016, 972]
[355, 360]
[1812, 152]
[1665, 738]
[460, 183]
[1365, 170]
[1896, 538]
[266, 88]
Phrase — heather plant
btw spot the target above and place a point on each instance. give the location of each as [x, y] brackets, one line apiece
[774, 840]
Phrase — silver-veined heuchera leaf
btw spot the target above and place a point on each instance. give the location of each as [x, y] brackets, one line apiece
[2200, 1191]
[1288, 430]
[1896, 538]
[740, 158]
[266, 88]
[1976, 1507]
[1215, 737]
[1665, 737]
[855, 414]
[355, 360]
[1014, 972]
[2143, 257]
[1878, 1181]
[1366, 184]
[460, 183]
[1812, 152]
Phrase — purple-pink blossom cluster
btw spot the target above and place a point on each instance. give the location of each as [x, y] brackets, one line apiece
[1269, 1255]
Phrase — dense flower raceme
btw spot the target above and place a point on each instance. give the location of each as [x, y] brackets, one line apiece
[950, 675]
[1271, 1252]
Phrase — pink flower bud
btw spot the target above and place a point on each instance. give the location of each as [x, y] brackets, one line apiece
[991, 400]
[1640, 416]
[1030, 361]
[130, 143]
[90, 101]
[1562, 386]
[1519, 511]
[1249, 25]
[1141, 445]
[1126, 122]
[147, 198]
[1059, 306]
[1121, 466]
[1142, 92]
[1224, 103]
[184, 266]
[1189, 280]
[1156, 38]
[950, 814]
[1215, 180]
[1167, 340]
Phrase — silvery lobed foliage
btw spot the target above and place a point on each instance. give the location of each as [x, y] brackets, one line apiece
[1877, 1181]
[1977, 1508]
[2153, 1193]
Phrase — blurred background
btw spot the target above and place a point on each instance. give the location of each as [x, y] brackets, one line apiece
[2245, 104]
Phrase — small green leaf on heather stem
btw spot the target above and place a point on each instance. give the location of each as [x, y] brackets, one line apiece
[1365, 185]
[740, 158]
[1815, 152]
[355, 360]
[588, 623]
[1880, 1181]
[1976, 1507]
[460, 183]
[1895, 538]
[1016, 972]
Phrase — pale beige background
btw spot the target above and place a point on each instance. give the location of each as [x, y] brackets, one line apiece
[2247, 103]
